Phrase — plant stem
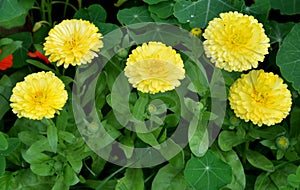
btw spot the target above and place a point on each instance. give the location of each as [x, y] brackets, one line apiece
[109, 177]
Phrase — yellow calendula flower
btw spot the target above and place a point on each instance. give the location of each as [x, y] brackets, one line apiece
[196, 31]
[73, 42]
[235, 42]
[40, 95]
[154, 67]
[260, 97]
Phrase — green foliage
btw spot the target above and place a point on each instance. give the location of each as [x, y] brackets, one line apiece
[134, 15]
[291, 7]
[288, 57]
[14, 12]
[207, 172]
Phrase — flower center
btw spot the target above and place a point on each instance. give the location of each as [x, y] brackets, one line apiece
[259, 97]
[39, 97]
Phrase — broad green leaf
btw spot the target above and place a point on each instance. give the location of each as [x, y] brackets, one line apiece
[2, 165]
[163, 10]
[60, 184]
[134, 15]
[260, 10]
[70, 177]
[238, 174]
[290, 7]
[52, 136]
[267, 132]
[97, 164]
[295, 122]
[169, 178]
[277, 31]
[127, 145]
[140, 107]
[229, 139]
[133, 180]
[3, 142]
[105, 28]
[43, 169]
[148, 138]
[207, 172]
[199, 13]
[13, 13]
[75, 162]
[94, 13]
[294, 179]
[288, 57]
[151, 2]
[263, 182]
[258, 160]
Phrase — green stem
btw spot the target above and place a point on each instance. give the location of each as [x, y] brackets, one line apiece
[66, 3]
[43, 11]
[109, 177]
[49, 11]
[245, 151]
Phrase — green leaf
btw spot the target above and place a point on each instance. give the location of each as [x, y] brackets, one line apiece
[199, 13]
[8, 47]
[258, 160]
[207, 172]
[75, 162]
[21, 54]
[2, 165]
[294, 179]
[70, 177]
[229, 139]
[13, 143]
[52, 136]
[133, 180]
[280, 176]
[260, 10]
[267, 132]
[3, 142]
[277, 31]
[198, 141]
[288, 57]
[169, 178]
[134, 15]
[127, 145]
[29, 137]
[105, 28]
[94, 13]
[43, 169]
[238, 174]
[13, 12]
[163, 10]
[59, 184]
[295, 122]
[263, 182]
[290, 7]
[40, 65]
[151, 2]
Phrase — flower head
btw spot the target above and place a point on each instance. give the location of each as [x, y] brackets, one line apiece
[154, 67]
[235, 42]
[7, 62]
[40, 95]
[73, 42]
[260, 97]
[282, 142]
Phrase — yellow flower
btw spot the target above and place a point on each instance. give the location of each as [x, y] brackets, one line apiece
[40, 95]
[154, 67]
[196, 31]
[260, 97]
[73, 42]
[235, 42]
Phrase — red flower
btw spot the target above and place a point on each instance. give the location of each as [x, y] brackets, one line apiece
[37, 54]
[6, 62]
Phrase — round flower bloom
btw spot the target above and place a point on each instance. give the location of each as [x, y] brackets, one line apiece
[260, 97]
[235, 42]
[73, 42]
[154, 67]
[40, 95]
[282, 142]
[196, 31]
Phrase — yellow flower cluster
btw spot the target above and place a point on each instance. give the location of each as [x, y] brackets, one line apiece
[260, 97]
[40, 95]
[235, 42]
[154, 67]
[73, 42]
